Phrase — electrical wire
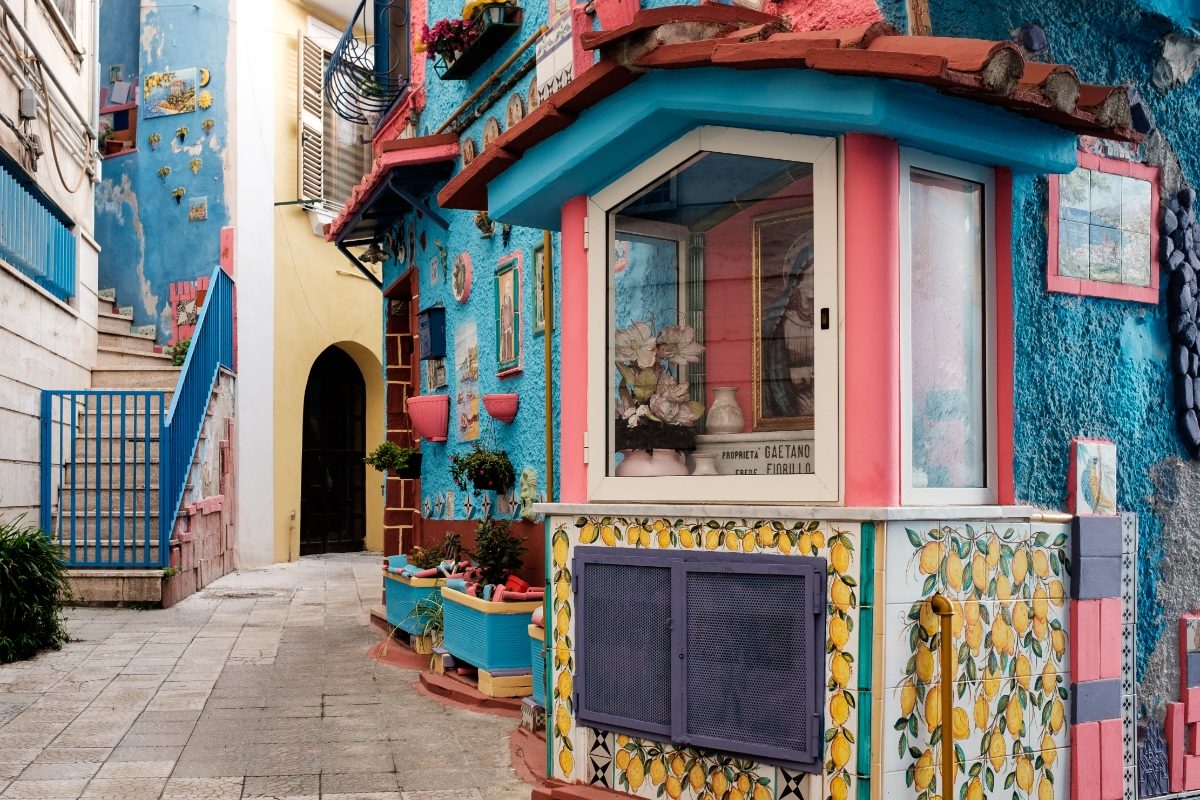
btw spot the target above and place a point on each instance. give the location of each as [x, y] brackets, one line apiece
[50, 134]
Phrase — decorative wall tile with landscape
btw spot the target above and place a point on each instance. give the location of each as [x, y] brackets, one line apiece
[655, 769]
[1007, 583]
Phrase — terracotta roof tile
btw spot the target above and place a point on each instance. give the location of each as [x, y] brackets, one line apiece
[648, 19]
[735, 37]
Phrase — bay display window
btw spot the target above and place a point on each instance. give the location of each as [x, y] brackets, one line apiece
[947, 331]
[715, 331]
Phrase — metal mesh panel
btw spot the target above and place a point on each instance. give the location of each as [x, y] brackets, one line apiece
[625, 645]
[749, 669]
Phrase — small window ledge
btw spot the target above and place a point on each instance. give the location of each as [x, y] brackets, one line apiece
[827, 513]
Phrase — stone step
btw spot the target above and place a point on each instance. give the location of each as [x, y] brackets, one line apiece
[117, 357]
[114, 323]
[109, 497]
[109, 426]
[135, 377]
[109, 450]
[116, 586]
[89, 473]
[127, 341]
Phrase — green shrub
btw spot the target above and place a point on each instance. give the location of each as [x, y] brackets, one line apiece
[498, 550]
[178, 352]
[424, 557]
[32, 588]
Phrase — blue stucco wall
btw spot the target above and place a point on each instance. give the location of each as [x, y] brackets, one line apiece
[147, 239]
[1087, 366]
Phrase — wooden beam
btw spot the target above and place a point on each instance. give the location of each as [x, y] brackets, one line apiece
[919, 22]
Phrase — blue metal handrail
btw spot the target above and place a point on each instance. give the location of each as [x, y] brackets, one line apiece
[34, 239]
[211, 349]
[102, 450]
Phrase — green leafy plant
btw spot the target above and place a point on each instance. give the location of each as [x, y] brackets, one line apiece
[389, 455]
[483, 469]
[427, 612]
[154, 139]
[451, 546]
[181, 132]
[424, 557]
[178, 352]
[498, 550]
[178, 192]
[33, 586]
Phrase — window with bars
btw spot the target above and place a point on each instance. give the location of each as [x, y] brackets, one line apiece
[728, 647]
[332, 153]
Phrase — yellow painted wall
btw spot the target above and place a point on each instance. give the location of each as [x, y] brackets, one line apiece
[320, 300]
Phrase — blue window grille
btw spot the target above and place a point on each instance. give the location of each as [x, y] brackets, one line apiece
[35, 237]
[729, 648]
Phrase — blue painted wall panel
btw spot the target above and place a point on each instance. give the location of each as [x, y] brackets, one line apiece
[147, 239]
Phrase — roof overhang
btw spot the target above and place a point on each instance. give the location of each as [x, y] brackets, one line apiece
[971, 99]
[404, 171]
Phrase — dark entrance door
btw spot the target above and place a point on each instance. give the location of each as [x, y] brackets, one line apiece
[332, 489]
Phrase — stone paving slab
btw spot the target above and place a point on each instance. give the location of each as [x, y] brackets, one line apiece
[256, 687]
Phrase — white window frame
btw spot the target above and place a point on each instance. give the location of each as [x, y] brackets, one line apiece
[824, 486]
[66, 31]
[985, 176]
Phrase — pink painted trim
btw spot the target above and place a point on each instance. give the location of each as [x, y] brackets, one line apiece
[1006, 491]
[227, 264]
[1113, 291]
[872, 324]
[520, 269]
[572, 377]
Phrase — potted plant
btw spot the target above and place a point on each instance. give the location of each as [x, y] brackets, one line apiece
[178, 192]
[430, 416]
[404, 461]
[502, 407]
[487, 634]
[163, 172]
[181, 132]
[403, 593]
[656, 416]
[483, 469]
[458, 45]
[154, 139]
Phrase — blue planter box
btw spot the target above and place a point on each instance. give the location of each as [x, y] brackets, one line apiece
[401, 594]
[537, 642]
[490, 636]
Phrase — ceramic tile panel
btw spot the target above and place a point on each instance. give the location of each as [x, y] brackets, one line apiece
[1008, 585]
[797, 785]
[654, 769]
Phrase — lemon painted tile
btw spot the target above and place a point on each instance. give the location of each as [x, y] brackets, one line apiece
[912, 714]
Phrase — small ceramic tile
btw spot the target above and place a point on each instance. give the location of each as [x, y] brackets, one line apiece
[1130, 791]
[903, 560]
[1129, 533]
[1128, 651]
[796, 785]
[1129, 588]
[600, 758]
[1129, 730]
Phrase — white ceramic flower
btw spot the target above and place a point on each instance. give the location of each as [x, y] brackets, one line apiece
[677, 344]
[637, 344]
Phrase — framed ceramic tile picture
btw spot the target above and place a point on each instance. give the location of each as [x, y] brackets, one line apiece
[540, 265]
[508, 315]
[1102, 230]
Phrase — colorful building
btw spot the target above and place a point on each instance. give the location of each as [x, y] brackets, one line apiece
[858, 313]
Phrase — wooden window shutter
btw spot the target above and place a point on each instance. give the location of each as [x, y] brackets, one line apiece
[311, 167]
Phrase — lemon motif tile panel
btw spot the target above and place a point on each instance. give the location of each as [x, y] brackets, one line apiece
[1007, 586]
[655, 769]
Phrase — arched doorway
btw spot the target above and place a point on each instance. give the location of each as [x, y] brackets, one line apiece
[332, 481]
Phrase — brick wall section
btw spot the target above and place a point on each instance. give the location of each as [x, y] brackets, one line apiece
[402, 497]
[203, 540]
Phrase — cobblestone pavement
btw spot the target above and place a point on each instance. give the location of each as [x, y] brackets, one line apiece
[258, 686]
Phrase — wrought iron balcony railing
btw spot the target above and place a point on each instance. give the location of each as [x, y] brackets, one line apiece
[369, 69]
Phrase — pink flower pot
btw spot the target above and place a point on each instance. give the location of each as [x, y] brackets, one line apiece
[502, 407]
[430, 416]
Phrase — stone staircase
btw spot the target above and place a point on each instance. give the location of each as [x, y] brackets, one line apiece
[126, 357]
[129, 359]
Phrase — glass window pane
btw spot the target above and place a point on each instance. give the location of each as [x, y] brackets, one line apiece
[949, 430]
[711, 321]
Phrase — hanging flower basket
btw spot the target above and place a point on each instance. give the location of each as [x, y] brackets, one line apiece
[502, 407]
[430, 416]
[496, 23]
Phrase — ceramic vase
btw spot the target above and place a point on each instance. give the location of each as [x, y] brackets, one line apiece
[725, 415]
[704, 464]
[656, 463]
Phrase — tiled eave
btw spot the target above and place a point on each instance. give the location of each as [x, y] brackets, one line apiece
[699, 37]
[419, 163]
